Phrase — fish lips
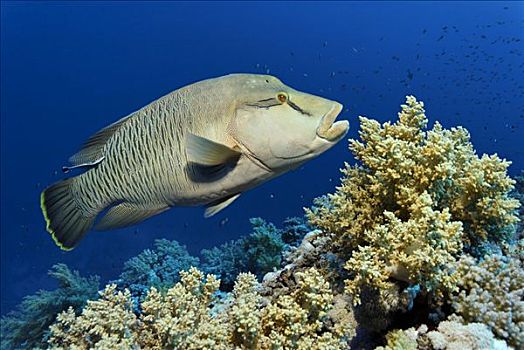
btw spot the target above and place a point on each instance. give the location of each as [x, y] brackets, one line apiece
[330, 130]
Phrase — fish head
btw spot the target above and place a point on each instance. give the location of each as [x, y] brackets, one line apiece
[282, 127]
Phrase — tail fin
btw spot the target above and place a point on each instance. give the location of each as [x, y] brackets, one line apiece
[65, 222]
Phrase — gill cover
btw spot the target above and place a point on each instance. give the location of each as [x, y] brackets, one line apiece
[274, 133]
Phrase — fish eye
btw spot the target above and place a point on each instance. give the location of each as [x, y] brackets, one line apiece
[282, 97]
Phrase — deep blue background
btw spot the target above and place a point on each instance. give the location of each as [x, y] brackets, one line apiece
[69, 69]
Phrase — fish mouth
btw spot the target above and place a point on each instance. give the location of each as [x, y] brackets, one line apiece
[330, 130]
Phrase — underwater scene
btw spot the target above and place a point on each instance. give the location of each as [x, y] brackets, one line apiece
[262, 175]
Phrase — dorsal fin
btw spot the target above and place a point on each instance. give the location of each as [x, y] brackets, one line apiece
[92, 150]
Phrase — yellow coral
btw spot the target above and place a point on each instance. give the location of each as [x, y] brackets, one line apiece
[483, 202]
[244, 314]
[416, 200]
[182, 318]
[107, 323]
[398, 249]
[294, 321]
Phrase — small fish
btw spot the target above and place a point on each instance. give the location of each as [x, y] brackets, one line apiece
[203, 144]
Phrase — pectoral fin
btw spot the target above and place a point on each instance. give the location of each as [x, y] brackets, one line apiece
[126, 214]
[206, 152]
[220, 204]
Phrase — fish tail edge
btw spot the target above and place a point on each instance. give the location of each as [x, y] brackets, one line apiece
[57, 204]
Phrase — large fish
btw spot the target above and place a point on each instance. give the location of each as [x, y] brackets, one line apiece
[203, 144]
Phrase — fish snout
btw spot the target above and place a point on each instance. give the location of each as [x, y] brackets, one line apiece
[330, 130]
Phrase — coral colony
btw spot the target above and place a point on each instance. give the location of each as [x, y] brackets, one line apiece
[418, 248]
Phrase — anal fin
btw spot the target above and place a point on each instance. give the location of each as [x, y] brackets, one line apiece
[218, 205]
[126, 214]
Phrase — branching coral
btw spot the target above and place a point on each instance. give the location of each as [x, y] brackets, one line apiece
[225, 261]
[157, 268]
[178, 319]
[182, 318]
[26, 327]
[300, 319]
[518, 193]
[379, 307]
[450, 335]
[259, 253]
[263, 248]
[292, 321]
[416, 200]
[492, 292]
[244, 313]
[295, 228]
[107, 323]
[398, 249]
[408, 226]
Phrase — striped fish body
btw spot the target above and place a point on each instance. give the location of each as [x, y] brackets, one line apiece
[145, 160]
[183, 149]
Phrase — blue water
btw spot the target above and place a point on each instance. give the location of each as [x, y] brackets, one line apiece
[69, 69]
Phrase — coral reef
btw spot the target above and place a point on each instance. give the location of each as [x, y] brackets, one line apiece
[152, 270]
[26, 327]
[157, 268]
[260, 252]
[182, 318]
[225, 261]
[518, 193]
[294, 320]
[450, 335]
[418, 248]
[179, 318]
[295, 228]
[410, 251]
[107, 323]
[417, 201]
[492, 293]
